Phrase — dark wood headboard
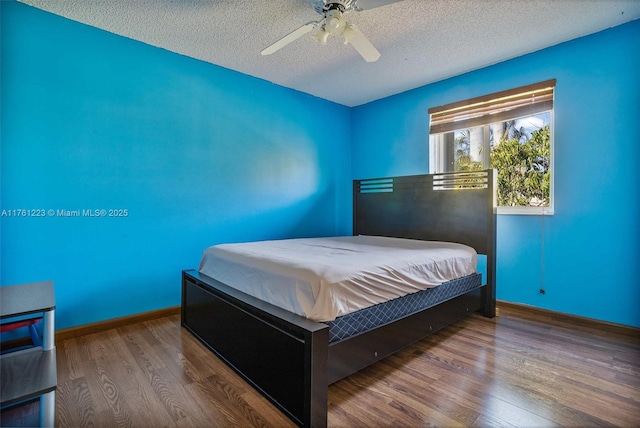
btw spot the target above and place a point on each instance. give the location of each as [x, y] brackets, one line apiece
[454, 207]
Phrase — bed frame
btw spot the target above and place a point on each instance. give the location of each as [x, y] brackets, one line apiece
[288, 358]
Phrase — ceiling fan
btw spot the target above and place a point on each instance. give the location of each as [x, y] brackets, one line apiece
[333, 23]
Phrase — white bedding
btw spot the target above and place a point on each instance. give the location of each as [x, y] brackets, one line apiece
[323, 278]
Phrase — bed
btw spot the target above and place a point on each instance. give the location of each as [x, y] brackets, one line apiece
[292, 354]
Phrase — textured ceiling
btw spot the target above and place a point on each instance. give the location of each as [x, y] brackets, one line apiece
[421, 41]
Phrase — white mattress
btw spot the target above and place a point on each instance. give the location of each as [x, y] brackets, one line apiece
[324, 278]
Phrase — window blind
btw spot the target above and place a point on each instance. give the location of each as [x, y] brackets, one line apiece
[498, 107]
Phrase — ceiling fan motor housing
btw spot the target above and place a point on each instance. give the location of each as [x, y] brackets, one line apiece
[341, 5]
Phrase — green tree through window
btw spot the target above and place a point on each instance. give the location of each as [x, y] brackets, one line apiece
[523, 169]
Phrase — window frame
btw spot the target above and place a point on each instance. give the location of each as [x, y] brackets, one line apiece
[479, 112]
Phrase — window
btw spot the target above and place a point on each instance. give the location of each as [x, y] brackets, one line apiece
[510, 131]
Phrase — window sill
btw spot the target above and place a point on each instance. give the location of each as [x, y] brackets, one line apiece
[526, 211]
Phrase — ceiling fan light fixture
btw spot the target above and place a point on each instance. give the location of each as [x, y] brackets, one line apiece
[334, 23]
[321, 36]
[349, 33]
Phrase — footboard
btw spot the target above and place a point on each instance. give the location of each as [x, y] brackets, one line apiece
[281, 354]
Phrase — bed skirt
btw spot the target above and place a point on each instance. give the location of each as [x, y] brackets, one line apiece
[383, 313]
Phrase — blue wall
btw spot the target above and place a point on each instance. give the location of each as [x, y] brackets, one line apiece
[196, 153]
[587, 255]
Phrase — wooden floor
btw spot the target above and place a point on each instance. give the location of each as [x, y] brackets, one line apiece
[517, 370]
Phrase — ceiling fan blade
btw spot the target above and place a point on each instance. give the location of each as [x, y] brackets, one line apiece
[358, 40]
[294, 35]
